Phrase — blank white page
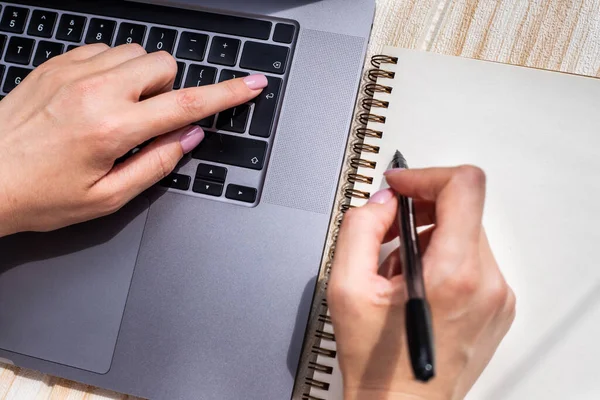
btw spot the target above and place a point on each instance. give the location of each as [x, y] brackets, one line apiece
[537, 136]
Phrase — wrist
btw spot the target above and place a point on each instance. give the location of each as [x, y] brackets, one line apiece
[7, 223]
[382, 394]
[375, 394]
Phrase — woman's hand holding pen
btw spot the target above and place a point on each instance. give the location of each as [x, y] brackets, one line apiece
[472, 305]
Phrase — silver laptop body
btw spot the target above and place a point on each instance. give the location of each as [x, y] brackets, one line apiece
[183, 297]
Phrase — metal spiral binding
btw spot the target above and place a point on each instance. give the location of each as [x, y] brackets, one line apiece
[359, 149]
[353, 178]
[326, 369]
[362, 133]
[372, 88]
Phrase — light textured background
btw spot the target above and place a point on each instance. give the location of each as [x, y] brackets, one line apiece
[562, 35]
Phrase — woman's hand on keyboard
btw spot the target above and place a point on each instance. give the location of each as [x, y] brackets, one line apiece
[67, 123]
[471, 304]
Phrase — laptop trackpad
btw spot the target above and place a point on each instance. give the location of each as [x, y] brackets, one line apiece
[62, 294]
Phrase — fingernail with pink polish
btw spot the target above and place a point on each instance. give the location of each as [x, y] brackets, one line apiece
[190, 138]
[381, 197]
[256, 82]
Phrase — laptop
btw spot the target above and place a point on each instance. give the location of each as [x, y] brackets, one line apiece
[201, 287]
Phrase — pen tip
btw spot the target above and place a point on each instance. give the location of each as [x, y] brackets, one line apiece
[399, 161]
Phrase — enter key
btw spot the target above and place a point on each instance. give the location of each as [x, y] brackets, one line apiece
[265, 109]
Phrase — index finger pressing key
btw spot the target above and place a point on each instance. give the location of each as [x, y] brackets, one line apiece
[175, 109]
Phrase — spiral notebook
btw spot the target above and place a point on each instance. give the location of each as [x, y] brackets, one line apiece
[536, 134]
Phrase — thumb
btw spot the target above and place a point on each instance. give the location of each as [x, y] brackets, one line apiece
[153, 163]
[357, 250]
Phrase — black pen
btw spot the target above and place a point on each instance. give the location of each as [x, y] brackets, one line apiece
[418, 317]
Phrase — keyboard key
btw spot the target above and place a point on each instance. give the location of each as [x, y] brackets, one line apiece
[130, 33]
[161, 39]
[14, 76]
[176, 181]
[235, 119]
[224, 51]
[228, 74]
[264, 57]
[241, 193]
[192, 46]
[199, 75]
[228, 25]
[206, 122]
[232, 150]
[1, 72]
[264, 110]
[71, 28]
[71, 47]
[179, 76]
[100, 31]
[211, 173]
[19, 50]
[47, 50]
[2, 44]
[207, 187]
[284, 33]
[42, 23]
[13, 19]
[206, 21]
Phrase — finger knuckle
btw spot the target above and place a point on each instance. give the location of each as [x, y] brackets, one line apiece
[98, 46]
[164, 164]
[471, 176]
[89, 86]
[108, 125]
[511, 301]
[135, 49]
[85, 92]
[464, 283]
[190, 103]
[89, 50]
[339, 292]
[105, 134]
[166, 59]
[497, 295]
[109, 202]
[42, 71]
[233, 89]
[49, 73]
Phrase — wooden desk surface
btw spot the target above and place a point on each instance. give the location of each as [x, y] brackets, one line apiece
[561, 35]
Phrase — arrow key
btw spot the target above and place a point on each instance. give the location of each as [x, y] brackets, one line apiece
[211, 173]
[208, 188]
[176, 181]
[241, 193]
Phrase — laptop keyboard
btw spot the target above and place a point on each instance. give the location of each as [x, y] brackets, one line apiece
[230, 164]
